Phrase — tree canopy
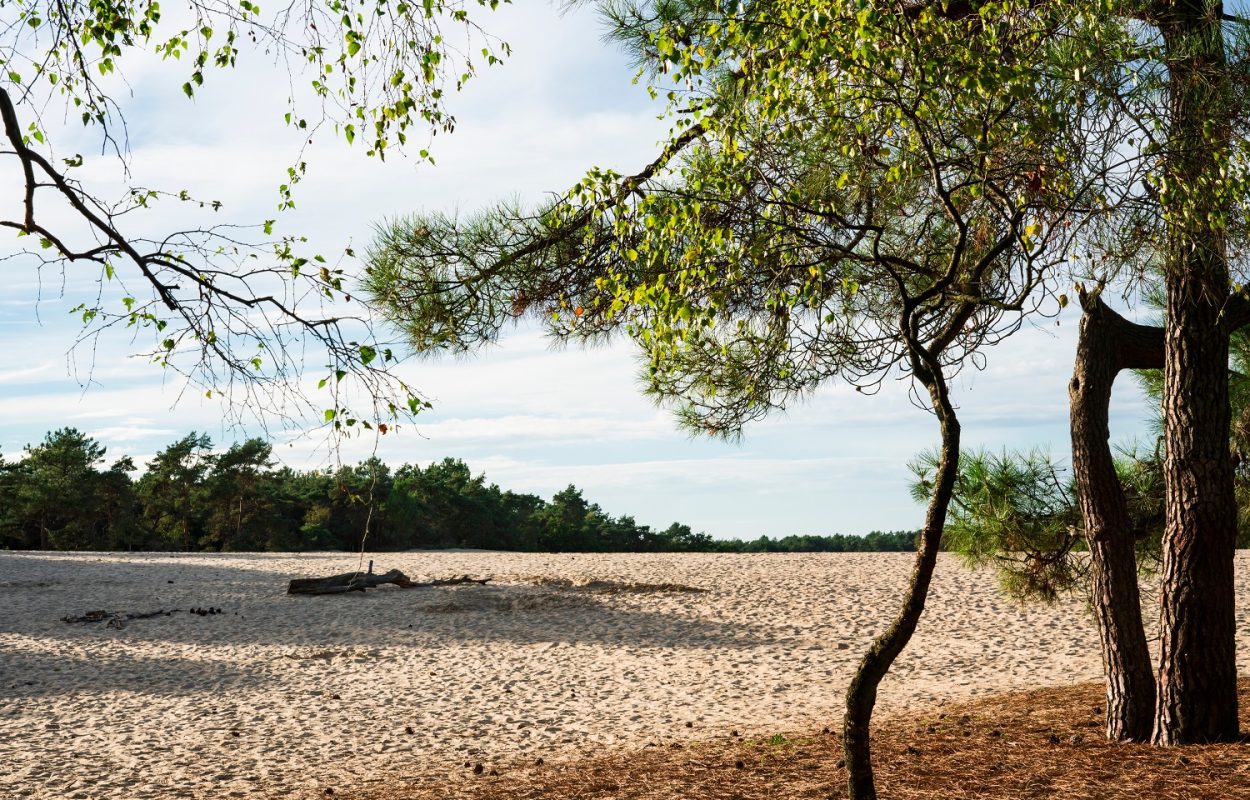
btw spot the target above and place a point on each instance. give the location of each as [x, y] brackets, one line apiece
[814, 164]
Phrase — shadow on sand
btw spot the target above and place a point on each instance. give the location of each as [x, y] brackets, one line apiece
[258, 613]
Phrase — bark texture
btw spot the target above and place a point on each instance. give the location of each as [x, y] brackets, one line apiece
[360, 581]
[1107, 344]
[1197, 700]
[1197, 691]
[861, 696]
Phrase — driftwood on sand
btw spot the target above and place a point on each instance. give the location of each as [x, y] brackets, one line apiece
[359, 581]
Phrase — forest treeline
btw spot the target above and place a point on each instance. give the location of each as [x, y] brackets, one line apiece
[62, 496]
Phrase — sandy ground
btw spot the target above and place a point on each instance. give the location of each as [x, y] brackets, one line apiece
[282, 695]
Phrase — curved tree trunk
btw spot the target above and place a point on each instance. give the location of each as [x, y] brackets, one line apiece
[861, 696]
[1107, 344]
[1197, 699]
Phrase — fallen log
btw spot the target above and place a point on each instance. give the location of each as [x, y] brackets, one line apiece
[347, 582]
[360, 581]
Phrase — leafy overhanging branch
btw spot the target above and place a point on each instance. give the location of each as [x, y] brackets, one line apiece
[224, 327]
[763, 265]
[232, 307]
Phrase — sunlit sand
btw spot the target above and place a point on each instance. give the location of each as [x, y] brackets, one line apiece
[281, 694]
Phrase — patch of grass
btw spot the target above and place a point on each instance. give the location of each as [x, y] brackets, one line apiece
[778, 741]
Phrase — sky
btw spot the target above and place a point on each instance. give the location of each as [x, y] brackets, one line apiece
[533, 418]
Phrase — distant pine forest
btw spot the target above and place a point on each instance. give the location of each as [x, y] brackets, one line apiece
[62, 496]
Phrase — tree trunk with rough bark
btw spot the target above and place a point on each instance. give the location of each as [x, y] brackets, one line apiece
[861, 696]
[1197, 690]
[1107, 344]
[1197, 700]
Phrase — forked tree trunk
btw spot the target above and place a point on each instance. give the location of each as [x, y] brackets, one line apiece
[1197, 699]
[1107, 344]
[861, 696]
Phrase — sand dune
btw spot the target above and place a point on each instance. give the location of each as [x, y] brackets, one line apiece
[282, 695]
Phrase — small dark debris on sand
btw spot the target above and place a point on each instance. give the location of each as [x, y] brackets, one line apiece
[118, 619]
[205, 612]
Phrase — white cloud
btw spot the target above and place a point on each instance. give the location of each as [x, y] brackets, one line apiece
[42, 371]
[584, 430]
[126, 434]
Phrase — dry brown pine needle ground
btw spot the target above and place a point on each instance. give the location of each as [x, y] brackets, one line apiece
[1046, 743]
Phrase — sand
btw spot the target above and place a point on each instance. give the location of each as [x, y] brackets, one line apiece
[284, 696]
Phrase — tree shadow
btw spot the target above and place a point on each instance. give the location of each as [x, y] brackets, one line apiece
[28, 675]
[41, 589]
[62, 567]
[434, 616]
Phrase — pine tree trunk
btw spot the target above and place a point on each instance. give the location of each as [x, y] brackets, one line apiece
[1197, 668]
[861, 696]
[1107, 344]
[1197, 697]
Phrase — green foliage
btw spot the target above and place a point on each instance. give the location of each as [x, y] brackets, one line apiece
[873, 542]
[223, 301]
[57, 497]
[1016, 512]
[240, 507]
[191, 498]
[833, 167]
[172, 490]
[384, 66]
[60, 487]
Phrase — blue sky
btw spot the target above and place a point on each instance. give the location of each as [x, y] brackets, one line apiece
[532, 418]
